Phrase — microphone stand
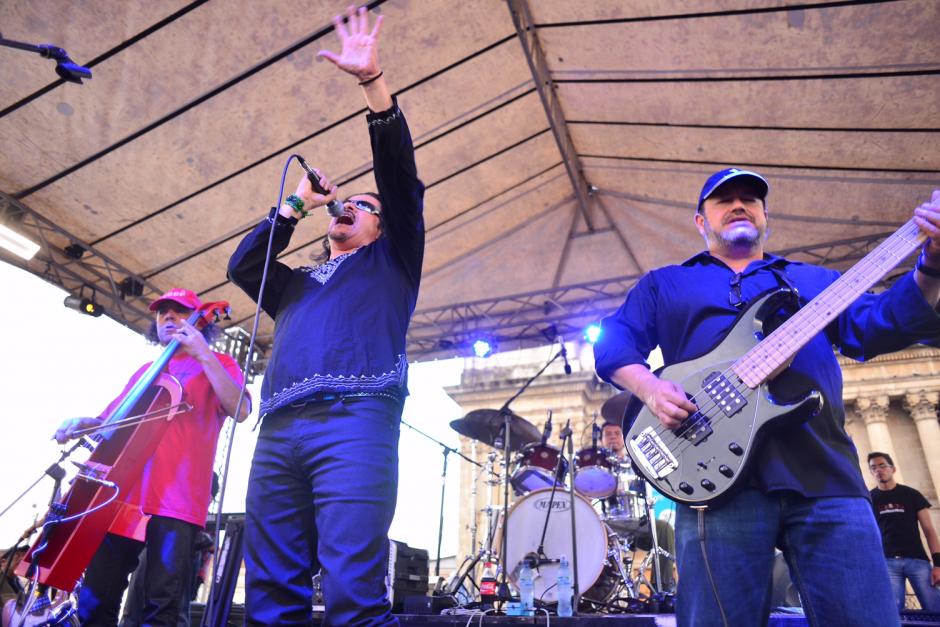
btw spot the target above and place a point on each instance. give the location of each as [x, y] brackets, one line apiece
[445, 450]
[503, 593]
[576, 591]
[66, 68]
[55, 471]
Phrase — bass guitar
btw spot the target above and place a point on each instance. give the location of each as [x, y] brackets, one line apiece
[703, 461]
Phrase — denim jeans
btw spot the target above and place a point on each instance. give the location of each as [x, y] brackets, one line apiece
[832, 546]
[918, 573]
[169, 550]
[322, 493]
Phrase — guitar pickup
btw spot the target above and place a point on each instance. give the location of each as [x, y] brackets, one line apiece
[652, 454]
[724, 394]
[696, 428]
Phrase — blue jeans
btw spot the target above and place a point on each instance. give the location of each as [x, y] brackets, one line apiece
[322, 493]
[918, 573]
[832, 546]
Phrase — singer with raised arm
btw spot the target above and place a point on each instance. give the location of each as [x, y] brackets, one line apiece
[324, 477]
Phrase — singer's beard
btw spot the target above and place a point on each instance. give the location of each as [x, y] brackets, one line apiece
[339, 238]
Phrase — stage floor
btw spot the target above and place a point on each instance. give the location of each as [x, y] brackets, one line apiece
[908, 619]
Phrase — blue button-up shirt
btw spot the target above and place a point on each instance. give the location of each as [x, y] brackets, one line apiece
[687, 309]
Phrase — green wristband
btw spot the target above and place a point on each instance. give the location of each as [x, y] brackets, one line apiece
[297, 204]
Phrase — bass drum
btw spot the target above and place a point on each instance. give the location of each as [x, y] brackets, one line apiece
[526, 520]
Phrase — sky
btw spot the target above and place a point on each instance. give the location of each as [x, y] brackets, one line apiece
[58, 363]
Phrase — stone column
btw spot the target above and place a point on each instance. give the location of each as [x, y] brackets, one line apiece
[922, 405]
[874, 412]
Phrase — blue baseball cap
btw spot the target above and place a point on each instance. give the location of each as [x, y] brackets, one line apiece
[718, 179]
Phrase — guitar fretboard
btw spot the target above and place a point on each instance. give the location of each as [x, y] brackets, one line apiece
[776, 350]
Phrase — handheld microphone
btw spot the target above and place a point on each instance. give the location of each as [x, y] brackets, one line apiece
[334, 207]
[564, 355]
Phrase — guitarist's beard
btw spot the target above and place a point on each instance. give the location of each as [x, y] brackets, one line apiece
[743, 236]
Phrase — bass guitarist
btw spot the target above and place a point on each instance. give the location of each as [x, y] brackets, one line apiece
[804, 492]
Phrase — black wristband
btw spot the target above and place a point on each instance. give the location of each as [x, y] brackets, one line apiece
[371, 79]
[936, 560]
[926, 270]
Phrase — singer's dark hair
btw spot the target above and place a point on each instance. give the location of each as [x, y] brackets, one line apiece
[323, 256]
[611, 424]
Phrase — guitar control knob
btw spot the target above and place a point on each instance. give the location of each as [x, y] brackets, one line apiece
[685, 487]
[735, 448]
[708, 485]
[726, 471]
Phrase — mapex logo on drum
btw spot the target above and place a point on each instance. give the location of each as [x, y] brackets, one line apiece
[557, 505]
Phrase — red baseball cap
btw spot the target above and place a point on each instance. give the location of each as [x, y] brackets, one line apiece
[186, 298]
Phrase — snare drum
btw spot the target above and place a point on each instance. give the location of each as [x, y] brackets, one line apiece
[595, 477]
[535, 468]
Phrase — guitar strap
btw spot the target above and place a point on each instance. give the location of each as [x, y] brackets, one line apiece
[785, 281]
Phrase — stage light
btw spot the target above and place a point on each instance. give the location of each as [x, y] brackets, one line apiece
[482, 348]
[130, 287]
[74, 251]
[592, 333]
[17, 244]
[88, 306]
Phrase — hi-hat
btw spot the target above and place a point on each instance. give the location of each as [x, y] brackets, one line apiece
[486, 425]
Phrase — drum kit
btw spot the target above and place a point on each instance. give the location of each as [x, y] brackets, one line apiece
[602, 522]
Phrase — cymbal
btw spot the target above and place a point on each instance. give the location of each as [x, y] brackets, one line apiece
[486, 425]
[614, 407]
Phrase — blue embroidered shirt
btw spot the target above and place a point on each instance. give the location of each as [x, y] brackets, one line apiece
[687, 309]
[340, 327]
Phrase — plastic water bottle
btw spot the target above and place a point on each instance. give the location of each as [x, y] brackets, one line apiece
[563, 587]
[527, 589]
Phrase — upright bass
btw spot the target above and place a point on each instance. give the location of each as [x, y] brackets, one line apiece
[76, 525]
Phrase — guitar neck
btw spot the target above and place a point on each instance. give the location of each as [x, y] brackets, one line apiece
[778, 348]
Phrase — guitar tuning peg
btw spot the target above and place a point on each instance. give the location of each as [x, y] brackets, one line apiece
[228, 310]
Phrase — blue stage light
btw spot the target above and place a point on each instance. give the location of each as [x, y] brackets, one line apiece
[592, 332]
[482, 348]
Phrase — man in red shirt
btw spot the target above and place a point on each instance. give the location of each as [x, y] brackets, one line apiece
[175, 484]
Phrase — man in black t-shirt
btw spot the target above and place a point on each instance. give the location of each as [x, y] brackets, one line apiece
[898, 509]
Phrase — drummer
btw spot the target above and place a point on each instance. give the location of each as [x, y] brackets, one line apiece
[612, 438]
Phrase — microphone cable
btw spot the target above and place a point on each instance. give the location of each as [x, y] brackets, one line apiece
[708, 568]
[216, 558]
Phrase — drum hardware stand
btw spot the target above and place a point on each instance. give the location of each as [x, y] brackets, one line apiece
[445, 450]
[485, 551]
[473, 499]
[655, 550]
[503, 593]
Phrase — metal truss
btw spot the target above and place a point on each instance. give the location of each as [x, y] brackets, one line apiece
[535, 318]
[66, 261]
[544, 84]
[514, 321]
[81, 270]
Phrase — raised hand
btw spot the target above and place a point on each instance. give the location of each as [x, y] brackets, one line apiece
[359, 53]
